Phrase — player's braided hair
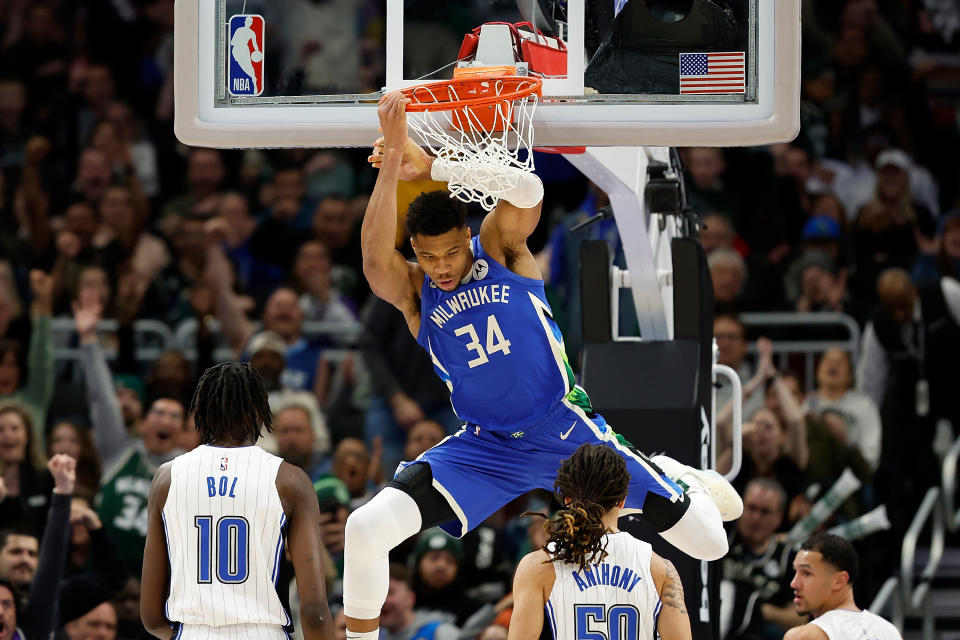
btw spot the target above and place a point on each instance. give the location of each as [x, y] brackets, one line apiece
[230, 404]
[589, 483]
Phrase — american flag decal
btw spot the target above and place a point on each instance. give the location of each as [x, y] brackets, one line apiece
[702, 73]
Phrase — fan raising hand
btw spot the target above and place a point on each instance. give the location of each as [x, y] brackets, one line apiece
[87, 310]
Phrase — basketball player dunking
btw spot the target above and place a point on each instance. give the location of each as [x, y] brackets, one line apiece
[222, 514]
[591, 577]
[477, 305]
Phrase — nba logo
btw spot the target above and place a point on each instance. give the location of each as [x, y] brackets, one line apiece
[245, 56]
[223, 464]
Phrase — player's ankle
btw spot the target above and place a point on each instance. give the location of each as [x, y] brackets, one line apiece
[683, 475]
[363, 635]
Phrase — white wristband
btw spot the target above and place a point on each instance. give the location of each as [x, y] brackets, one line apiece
[527, 191]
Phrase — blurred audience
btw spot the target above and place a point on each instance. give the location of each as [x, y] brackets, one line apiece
[835, 393]
[399, 620]
[909, 369]
[106, 219]
[767, 454]
[405, 388]
[100, 623]
[437, 578]
[730, 334]
[756, 599]
[299, 433]
[728, 271]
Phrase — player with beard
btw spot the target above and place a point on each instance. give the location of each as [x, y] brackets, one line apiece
[826, 567]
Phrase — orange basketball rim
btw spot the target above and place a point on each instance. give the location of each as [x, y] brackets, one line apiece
[479, 99]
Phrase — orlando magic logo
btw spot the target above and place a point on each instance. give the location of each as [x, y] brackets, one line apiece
[245, 58]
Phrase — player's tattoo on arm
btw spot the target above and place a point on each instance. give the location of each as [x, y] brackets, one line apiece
[672, 594]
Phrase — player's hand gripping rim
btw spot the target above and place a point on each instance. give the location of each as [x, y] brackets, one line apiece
[415, 164]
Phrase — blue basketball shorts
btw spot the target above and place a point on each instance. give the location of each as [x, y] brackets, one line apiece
[478, 471]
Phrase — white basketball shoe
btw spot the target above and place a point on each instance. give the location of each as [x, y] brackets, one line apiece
[706, 480]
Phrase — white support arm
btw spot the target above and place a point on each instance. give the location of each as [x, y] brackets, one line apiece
[737, 426]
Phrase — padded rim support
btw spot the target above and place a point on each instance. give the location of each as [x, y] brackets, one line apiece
[596, 287]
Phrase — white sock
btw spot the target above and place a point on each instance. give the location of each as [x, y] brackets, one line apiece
[372, 530]
[679, 473]
[699, 533]
[363, 635]
[527, 192]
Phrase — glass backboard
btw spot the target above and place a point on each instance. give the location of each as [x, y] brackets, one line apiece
[308, 73]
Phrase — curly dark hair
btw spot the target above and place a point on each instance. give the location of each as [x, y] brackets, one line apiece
[230, 403]
[836, 551]
[16, 597]
[34, 456]
[434, 213]
[594, 480]
[89, 469]
[19, 354]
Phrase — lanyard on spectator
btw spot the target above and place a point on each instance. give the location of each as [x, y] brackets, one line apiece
[922, 390]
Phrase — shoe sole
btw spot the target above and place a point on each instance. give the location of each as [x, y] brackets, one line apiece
[726, 498]
[721, 492]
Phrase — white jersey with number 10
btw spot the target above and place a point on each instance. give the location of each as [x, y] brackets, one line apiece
[615, 599]
[224, 523]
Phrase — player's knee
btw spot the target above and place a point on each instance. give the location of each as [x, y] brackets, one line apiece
[375, 527]
[714, 545]
[663, 513]
[361, 527]
[698, 532]
[706, 520]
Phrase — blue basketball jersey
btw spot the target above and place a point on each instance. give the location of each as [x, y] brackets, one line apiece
[494, 342]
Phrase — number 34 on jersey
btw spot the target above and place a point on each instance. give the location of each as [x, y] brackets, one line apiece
[495, 341]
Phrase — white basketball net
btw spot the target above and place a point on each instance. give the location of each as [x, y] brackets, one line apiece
[483, 164]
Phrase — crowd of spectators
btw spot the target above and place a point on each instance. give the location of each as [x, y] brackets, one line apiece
[255, 255]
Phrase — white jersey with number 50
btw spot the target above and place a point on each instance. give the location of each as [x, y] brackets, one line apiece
[615, 600]
[224, 523]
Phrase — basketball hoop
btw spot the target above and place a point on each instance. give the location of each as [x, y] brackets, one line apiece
[478, 122]
[562, 151]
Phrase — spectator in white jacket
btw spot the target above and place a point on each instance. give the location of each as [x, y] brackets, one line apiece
[835, 393]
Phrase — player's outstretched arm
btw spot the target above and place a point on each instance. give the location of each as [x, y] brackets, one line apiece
[390, 276]
[674, 623]
[303, 540]
[531, 584]
[156, 568]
